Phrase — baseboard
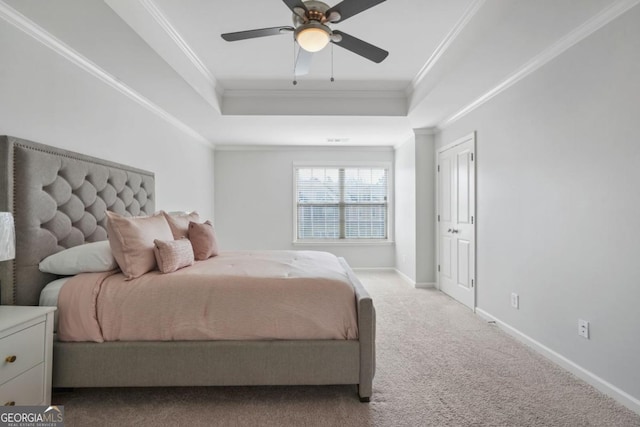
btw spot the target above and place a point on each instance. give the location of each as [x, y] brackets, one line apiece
[406, 278]
[605, 387]
[417, 285]
[425, 285]
[373, 269]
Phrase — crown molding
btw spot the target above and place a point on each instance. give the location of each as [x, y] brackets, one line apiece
[469, 13]
[156, 13]
[589, 27]
[426, 131]
[314, 103]
[315, 94]
[430, 131]
[401, 144]
[239, 147]
[32, 29]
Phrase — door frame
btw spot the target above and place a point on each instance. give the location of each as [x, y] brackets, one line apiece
[469, 137]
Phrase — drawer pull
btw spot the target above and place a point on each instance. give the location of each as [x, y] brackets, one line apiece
[10, 359]
[10, 403]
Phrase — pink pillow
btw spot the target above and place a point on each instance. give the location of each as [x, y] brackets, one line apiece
[179, 223]
[203, 240]
[172, 255]
[131, 240]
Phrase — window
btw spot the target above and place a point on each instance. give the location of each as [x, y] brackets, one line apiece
[341, 203]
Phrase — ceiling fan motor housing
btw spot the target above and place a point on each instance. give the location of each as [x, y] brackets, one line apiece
[316, 12]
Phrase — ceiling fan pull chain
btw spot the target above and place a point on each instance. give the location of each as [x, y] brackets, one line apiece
[332, 79]
[295, 82]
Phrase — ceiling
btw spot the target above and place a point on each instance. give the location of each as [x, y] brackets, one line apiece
[446, 58]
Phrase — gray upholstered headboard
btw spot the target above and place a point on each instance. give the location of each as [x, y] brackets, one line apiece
[58, 199]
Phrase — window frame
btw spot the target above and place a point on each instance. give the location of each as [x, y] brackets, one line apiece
[338, 164]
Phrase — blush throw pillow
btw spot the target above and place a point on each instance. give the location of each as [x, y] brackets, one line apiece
[179, 223]
[131, 240]
[172, 255]
[203, 240]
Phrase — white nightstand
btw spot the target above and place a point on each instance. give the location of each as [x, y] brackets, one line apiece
[26, 345]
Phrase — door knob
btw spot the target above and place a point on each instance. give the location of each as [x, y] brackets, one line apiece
[449, 231]
[454, 231]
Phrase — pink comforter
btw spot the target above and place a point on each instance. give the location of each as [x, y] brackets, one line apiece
[234, 296]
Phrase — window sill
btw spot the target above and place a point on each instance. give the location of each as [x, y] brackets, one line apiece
[343, 242]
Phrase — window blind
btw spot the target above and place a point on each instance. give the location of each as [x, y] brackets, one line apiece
[341, 202]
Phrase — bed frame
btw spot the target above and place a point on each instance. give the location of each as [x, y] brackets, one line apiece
[58, 199]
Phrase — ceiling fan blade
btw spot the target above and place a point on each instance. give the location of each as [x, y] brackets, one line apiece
[349, 8]
[362, 48]
[297, 4]
[303, 62]
[252, 34]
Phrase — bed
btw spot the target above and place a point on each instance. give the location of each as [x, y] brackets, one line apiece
[58, 199]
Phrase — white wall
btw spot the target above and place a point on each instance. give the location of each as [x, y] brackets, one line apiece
[405, 195]
[47, 99]
[254, 200]
[415, 208]
[557, 203]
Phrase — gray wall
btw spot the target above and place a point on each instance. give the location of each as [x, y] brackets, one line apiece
[254, 200]
[425, 209]
[558, 169]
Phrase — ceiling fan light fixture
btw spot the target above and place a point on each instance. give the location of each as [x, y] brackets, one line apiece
[313, 36]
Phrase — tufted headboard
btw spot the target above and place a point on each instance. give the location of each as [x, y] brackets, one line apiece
[58, 199]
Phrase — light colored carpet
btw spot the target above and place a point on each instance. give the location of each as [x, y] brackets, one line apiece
[438, 365]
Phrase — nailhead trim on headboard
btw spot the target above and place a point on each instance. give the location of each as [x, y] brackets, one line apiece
[59, 201]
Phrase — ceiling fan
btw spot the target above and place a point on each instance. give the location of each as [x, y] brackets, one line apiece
[312, 31]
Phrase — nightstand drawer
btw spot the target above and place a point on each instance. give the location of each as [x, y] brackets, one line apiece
[25, 348]
[25, 389]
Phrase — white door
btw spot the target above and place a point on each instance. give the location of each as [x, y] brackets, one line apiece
[456, 220]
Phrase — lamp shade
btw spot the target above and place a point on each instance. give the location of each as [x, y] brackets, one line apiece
[7, 237]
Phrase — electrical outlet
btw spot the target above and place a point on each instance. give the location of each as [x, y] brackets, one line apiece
[515, 300]
[583, 328]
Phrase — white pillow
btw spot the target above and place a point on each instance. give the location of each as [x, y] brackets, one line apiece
[88, 258]
[49, 294]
